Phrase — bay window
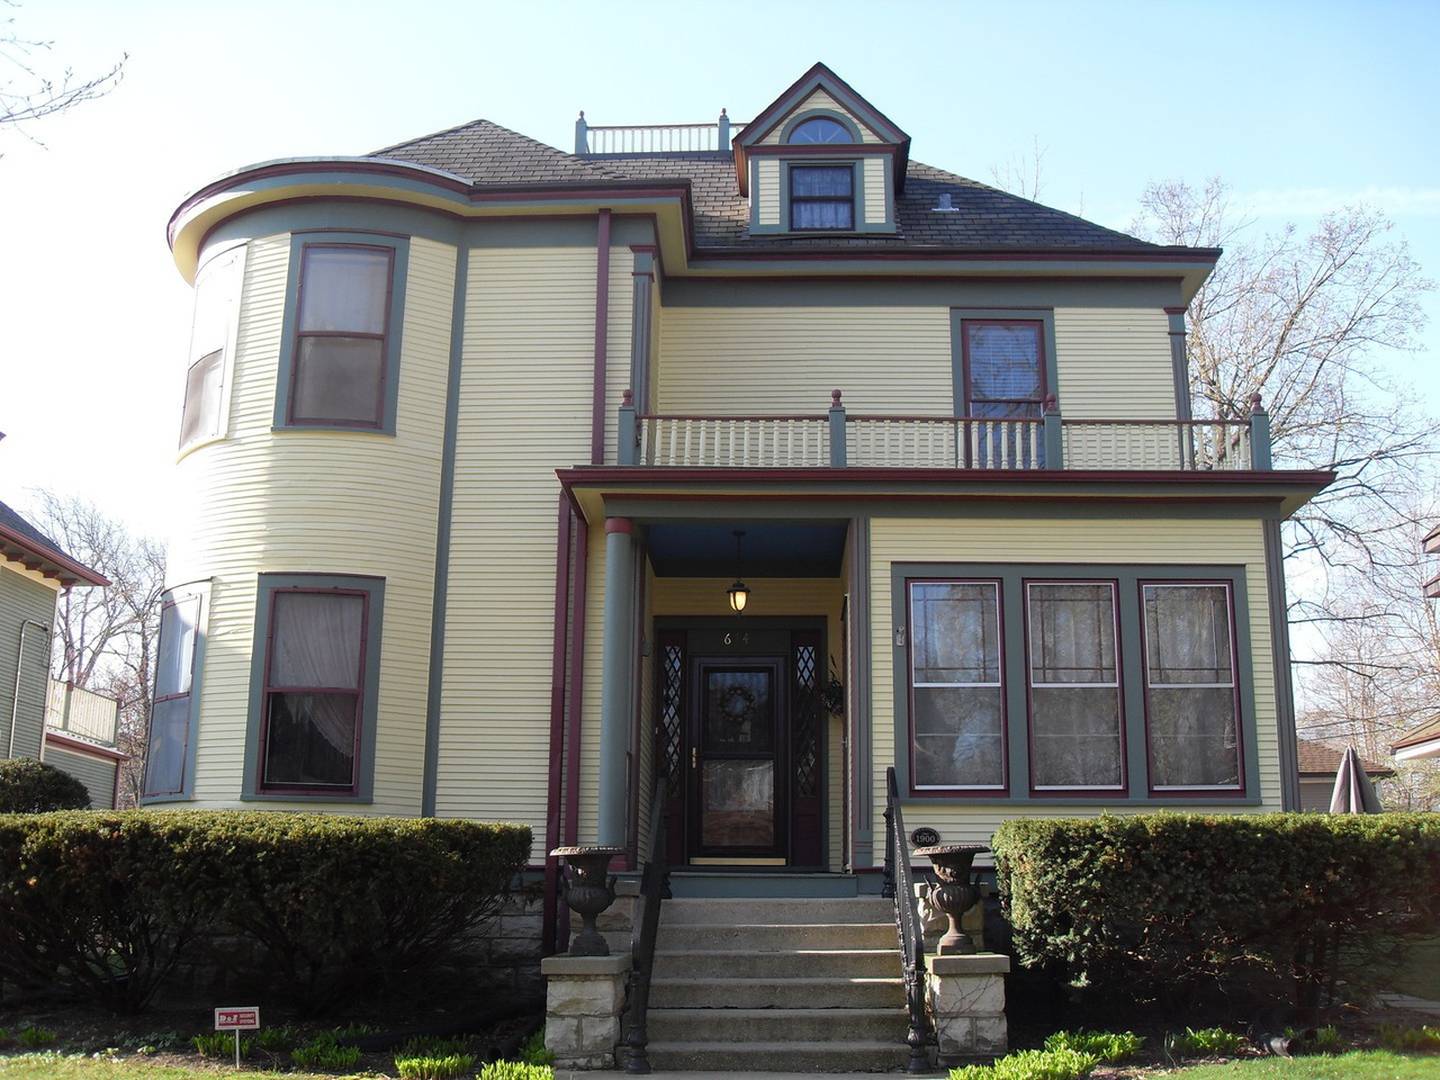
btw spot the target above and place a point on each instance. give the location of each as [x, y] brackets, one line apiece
[1190, 687]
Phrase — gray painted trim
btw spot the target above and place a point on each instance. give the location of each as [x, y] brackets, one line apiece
[960, 292]
[443, 524]
[394, 329]
[862, 746]
[266, 586]
[1280, 658]
[1127, 578]
[201, 590]
[809, 114]
[617, 666]
[1043, 315]
[1179, 365]
[643, 277]
[753, 168]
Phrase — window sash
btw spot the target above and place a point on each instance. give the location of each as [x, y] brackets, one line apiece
[985, 688]
[271, 690]
[1232, 741]
[170, 709]
[1041, 686]
[363, 330]
[200, 415]
[1021, 405]
[840, 201]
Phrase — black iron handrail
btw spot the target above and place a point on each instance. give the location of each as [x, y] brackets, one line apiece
[900, 885]
[654, 888]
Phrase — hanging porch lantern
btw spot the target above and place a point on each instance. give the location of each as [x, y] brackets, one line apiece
[739, 593]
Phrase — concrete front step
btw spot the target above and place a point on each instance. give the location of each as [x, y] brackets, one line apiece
[688, 963]
[777, 1025]
[772, 937]
[764, 993]
[724, 912]
[761, 1057]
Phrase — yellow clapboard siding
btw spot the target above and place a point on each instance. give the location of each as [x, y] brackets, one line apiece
[1114, 363]
[526, 384]
[979, 540]
[788, 359]
[320, 503]
[873, 170]
[820, 100]
[767, 171]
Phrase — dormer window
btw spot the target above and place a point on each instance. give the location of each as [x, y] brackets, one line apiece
[821, 129]
[822, 197]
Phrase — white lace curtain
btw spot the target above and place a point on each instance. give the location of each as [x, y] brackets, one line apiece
[317, 646]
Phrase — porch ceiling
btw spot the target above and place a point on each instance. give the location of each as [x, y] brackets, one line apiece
[772, 548]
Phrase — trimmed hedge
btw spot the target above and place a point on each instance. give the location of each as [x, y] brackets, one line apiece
[32, 787]
[329, 907]
[1280, 904]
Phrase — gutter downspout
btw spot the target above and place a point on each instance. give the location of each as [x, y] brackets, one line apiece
[15, 701]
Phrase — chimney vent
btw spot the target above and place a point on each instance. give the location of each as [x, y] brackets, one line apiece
[944, 206]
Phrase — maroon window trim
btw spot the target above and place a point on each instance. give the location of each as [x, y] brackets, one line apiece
[157, 699]
[1003, 790]
[1223, 793]
[358, 693]
[1038, 327]
[1123, 788]
[301, 334]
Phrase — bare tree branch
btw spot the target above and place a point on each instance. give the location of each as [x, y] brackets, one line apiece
[28, 92]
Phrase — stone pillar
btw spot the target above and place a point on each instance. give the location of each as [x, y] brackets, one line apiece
[967, 1000]
[584, 997]
[617, 664]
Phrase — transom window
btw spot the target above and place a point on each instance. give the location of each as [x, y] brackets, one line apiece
[314, 686]
[1074, 670]
[338, 376]
[822, 197]
[1190, 688]
[957, 686]
[820, 129]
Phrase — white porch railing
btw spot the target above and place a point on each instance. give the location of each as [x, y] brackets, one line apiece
[748, 441]
[1166, 444]
[654, 138]
[70, 710]
[943, 442]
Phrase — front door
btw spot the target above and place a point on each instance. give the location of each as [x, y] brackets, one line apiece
[738, 775]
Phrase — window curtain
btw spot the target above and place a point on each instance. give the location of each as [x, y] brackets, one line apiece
[317, 645]
[1190, 684]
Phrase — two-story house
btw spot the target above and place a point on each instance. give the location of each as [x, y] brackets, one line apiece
[753, 459]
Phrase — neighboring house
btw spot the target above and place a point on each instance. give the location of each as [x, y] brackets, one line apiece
[1318, 764]
[34, 571]
[470, 425]
[80, 732]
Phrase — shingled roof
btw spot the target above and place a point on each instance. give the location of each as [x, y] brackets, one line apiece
[23, 542]
[983, 218]
[1322, 759]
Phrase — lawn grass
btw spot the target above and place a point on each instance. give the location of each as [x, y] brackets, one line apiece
[1359, 1065]
[57, 1067]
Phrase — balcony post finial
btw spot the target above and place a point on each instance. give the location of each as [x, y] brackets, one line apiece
[1259, 434]
[723, 131]
[627, 431]
[834, 399]
[1053, 433]
[1255, 403]
[837, 430]
[627, 397]
[582, 135]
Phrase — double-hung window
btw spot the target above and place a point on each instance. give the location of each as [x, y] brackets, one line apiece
[822, 197]
[1076, 727]
[217, 295]
[1191, 699]
[957, 686]
[167, 757]
[1004, 392]
[314, 689]
[338, 370]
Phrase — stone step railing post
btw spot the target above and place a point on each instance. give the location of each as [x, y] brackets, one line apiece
[1259, 434]
[1054, 434]
[837, 430]
[627, 435]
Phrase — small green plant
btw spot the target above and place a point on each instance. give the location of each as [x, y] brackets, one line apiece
[1424, 1039]
[5, 1038]
[1328, 1040]
[351, 1032]
[221, 1044]
[34, 1038]
[431, 1046]
[515, 1070]
[152, 1042]
[534, 1051]
[1206, 1042]
[446, 1067]
[278, 1039]
[1108, 1046]
[1061, 1064]
[325, 1052]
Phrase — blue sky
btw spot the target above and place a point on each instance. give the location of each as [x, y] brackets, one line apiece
[1300, 107]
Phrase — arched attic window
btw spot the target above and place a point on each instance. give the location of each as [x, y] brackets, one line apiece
[820, 129]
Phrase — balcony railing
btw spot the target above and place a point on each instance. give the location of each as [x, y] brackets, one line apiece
[835, 438]
[69, 710]
[654, 138]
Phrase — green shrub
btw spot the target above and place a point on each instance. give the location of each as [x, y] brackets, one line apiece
[1411, 1040]
[1108, 1046]
[515, 1070]
[431, 1046]
[445, 1067]
[534, 1052]
[32, 787]
[1063, 1064]
[1161, 903]
[34, 1038]
[1206, 1042]
[1327, 1040]
[221, 1044]
[105, 904]
[325, 1052]
[5, 1038]
[279, 1038]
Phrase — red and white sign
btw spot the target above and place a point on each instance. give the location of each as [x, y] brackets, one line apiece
[237, 1018]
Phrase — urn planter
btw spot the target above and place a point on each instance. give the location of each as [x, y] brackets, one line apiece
[956, 893]
[588, 892]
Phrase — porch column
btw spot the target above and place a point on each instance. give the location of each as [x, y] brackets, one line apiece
[617, 665]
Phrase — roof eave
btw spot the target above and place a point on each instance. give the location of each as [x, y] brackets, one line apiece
[47, 561]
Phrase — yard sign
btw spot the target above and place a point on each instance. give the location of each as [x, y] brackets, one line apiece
[237, 1018]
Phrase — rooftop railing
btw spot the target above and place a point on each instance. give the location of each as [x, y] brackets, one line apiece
[840, 439]
[653, 138]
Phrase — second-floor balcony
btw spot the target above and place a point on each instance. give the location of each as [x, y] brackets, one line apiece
[839, 438]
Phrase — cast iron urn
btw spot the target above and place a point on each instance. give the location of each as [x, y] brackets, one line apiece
[588, 892]
[956, 893]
